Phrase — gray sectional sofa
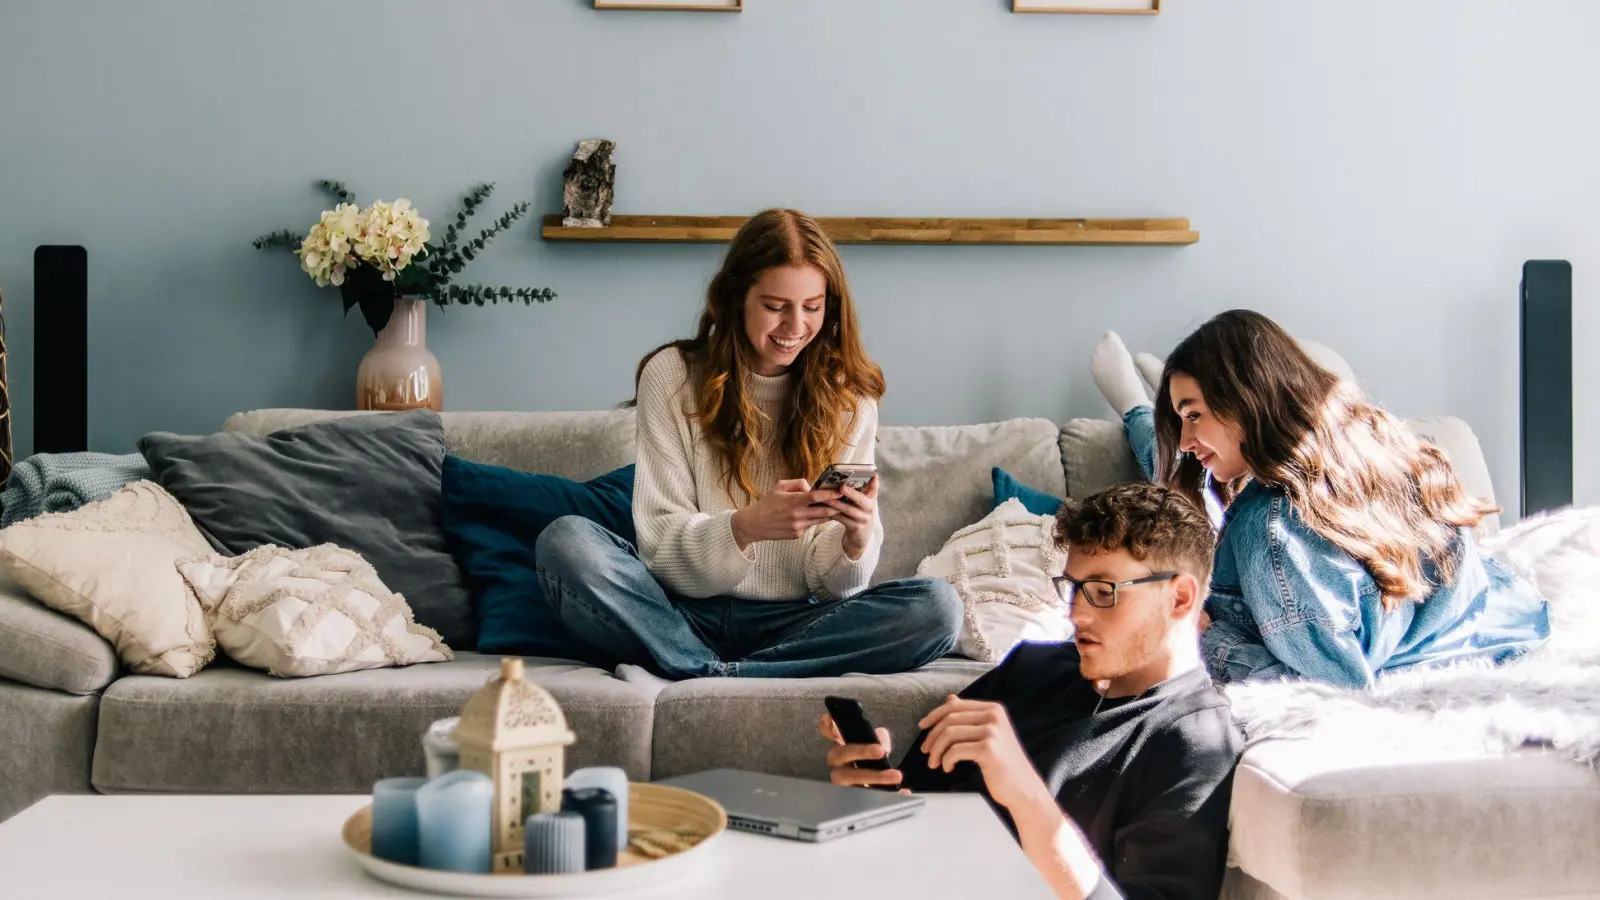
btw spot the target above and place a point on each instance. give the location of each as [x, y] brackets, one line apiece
[1305, 824]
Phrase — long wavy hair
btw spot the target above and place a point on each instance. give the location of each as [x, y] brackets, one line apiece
[833, 372]
[1352, 471]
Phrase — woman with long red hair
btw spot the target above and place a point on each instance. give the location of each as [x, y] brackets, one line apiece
[741, 568]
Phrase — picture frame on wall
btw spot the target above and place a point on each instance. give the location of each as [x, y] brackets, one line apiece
[1089, 7]
[679, 5]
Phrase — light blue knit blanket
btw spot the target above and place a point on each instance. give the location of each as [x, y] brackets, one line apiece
[62, 482]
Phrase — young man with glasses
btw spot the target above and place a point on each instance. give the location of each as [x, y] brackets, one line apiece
[1111, 758]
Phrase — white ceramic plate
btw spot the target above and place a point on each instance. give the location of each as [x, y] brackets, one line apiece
[601, 881]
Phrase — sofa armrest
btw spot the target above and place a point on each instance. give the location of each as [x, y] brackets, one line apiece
[43, 648]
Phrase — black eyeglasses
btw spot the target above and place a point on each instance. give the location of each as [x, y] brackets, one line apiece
[1101, 594]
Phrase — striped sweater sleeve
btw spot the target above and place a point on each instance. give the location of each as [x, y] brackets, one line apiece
[693, 553]
[830, 572]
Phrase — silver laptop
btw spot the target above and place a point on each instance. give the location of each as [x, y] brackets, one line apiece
[796, 808]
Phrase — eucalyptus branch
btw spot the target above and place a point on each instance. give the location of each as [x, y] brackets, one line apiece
[282, 239]
[477, 295]
[469, 205]
[337, 190]
[477, 244]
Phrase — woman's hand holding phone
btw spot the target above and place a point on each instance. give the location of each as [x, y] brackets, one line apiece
[856, 511]
[784, 513]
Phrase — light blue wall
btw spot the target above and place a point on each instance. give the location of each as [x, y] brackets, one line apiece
[1370, 172]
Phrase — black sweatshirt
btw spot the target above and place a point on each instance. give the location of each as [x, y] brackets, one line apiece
[1147, 779]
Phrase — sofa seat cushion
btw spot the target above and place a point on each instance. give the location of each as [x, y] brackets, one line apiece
[1317, 819]
[236, 730]
[770, 724]
[938, 479]
[47, 649]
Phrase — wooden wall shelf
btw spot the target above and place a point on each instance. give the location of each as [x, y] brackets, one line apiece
[715, 229]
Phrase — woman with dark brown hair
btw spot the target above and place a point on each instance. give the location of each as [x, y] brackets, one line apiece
[1346, 545]
[742, 569]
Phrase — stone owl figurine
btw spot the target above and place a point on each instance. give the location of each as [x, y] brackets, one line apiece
[590, 184]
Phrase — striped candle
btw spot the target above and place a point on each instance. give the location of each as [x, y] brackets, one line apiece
[553, 843]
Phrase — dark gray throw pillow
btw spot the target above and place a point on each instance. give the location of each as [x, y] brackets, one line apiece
[369, 483]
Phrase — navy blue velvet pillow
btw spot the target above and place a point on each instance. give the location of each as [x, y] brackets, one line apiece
[492, 517]
[1007, 486]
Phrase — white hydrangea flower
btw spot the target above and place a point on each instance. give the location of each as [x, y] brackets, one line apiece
[390, 235]
[326, 252]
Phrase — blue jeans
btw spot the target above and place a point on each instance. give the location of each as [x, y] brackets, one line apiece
[604, 594]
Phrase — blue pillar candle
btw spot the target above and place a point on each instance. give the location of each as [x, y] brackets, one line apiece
[599, 811]
[455, 818]
[614, 780]
[394, 819]
[553, 844]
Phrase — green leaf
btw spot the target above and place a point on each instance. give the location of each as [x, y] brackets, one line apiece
[337, 190]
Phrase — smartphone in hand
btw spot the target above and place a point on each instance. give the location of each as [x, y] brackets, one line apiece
[855, 728]
[840, 475]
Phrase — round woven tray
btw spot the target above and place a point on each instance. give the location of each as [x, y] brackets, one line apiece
[660, 821]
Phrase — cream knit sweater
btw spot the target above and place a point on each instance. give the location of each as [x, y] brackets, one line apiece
[684, 517]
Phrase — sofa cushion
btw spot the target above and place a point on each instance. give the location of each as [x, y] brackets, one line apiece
[235, 730]
[576, 445]
[1007, 487]
[1319, 819]
[493, 516]
[110, 565]
[299, 613]
[44, 745]
[47, 649]
[368, 484]
[1455, 438]
[1096, 455]
[938, 479]
[770, 724]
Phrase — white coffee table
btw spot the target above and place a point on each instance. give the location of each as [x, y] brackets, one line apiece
[252, 847]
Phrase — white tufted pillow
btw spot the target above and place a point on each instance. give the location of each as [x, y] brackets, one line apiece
[1001, 567]
[307, 612]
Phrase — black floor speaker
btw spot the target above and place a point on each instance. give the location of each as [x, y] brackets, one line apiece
[60, 349]
[1546, 385]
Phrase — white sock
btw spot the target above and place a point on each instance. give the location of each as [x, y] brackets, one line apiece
[1115, 375]
[1150, 370]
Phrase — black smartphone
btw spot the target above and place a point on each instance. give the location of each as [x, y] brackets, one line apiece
[856, 729]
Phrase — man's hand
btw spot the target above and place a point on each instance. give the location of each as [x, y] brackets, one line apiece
[841, 759]
[981, 732]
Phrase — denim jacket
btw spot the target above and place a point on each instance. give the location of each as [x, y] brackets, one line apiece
[1285, 601]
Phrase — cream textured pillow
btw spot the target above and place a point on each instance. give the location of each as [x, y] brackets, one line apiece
[110, 565]
[308, 612]
[1001, 567]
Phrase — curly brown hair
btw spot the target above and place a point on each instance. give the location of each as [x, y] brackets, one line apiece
[835, 374]
[1351, 470]
[1154, 524]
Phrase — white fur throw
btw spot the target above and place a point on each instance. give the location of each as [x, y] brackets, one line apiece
[1001, 568]
[1549, 697]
